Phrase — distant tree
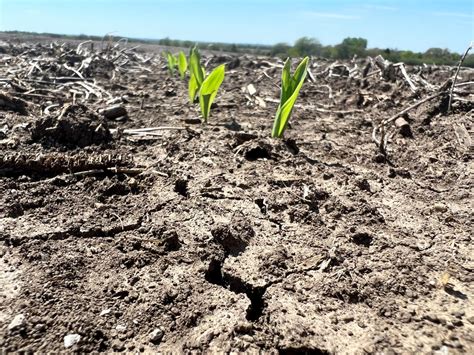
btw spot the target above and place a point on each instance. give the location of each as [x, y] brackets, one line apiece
[165, 41]
[280, 50]
[351, 46]
[306, 46]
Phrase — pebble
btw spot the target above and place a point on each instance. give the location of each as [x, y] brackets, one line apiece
[18, 322]
[347, 319]
[440, 207]
[71, 340]
[243, 327]
[156, 335]
[105, 312]
[121, 328]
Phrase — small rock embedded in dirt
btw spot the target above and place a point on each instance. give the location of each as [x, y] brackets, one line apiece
[243, 327]
[71, 339]
[404, 127]
[156, 336]
[17, 323]
[105, 312]
[440, 207]
[114, 112]
[121, 328]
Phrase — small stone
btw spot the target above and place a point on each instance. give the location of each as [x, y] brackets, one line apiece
[40, 327]
[18, 322]
[121, 328]
[471, 319]
[114, 112]
[105, 312]
[71, 339]
[440, 207]
[156, 335]
[347, 319]
[243, 327]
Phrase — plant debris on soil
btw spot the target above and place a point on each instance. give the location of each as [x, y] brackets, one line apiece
[126, 225]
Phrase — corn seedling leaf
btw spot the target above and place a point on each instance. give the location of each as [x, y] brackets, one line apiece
[196, 72]
[286, 82]
[193, 88]
[195, 66]
[290, 88]
[209, 89]
[182, 64]
[171, 62]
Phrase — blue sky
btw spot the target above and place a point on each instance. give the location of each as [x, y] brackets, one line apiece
[405, 24]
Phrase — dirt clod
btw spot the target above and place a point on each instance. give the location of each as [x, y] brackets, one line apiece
[78, 128]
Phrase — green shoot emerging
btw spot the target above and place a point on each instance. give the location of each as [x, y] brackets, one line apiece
[172, 62]
[182, 64]
[204, 86]
[209, 89]
[196, 72]
[290, 88]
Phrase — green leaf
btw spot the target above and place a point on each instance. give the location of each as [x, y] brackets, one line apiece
[196, 74]
[171, 62]
[209, 89]
[193, 88]
[182, 64]
[290, 88]
[286, 84]
[195, 66]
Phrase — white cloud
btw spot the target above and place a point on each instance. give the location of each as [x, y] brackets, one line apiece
[330, 15]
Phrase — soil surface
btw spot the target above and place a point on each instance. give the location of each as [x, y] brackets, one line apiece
[216, 237]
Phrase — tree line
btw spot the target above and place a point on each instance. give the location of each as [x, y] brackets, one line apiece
[356, 46]
[305, 46]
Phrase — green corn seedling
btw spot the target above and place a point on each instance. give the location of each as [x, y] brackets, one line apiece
[197, 74]
[204, 86]
[209, 89]
[290, 88]
[172, 62]
[182, 64]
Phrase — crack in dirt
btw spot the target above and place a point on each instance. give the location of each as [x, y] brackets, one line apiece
[255, 294]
